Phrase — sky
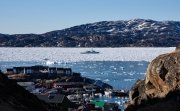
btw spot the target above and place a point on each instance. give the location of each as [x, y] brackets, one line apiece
[40, 16]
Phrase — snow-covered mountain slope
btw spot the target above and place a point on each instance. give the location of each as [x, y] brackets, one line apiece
[135, 32]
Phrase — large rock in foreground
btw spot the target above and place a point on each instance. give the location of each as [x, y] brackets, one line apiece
[160, 91]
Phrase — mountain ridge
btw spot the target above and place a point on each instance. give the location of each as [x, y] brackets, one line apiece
[122, 33]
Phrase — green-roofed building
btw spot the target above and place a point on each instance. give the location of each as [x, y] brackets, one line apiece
[98, 103]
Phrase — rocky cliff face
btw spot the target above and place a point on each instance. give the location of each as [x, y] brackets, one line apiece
[15, 98]
[135, 32]
[160, 91]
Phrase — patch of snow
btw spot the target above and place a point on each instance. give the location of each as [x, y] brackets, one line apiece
[153, 24]
[146, 33]
[178, 26]
[162, 28]
[130, 22]
[144, 24]
[111, 30]
[161, 33]
[94, 24]
[156, 27]
[126, 30]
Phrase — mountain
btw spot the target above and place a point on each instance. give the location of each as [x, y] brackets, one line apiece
[15, 98]
[135, 32]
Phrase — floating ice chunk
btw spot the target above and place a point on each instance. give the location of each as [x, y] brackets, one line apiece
[140, 64]
[50, 63]
[98, 78]
[106, 80]
[129, 79]
[122, 68]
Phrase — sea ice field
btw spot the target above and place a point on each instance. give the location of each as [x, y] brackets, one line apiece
[74, 54]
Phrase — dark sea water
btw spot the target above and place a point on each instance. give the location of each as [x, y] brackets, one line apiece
[119, 74]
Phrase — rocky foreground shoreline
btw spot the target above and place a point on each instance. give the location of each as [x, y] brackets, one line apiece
[160, 90]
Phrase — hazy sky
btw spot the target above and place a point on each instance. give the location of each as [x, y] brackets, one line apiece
[39, 16]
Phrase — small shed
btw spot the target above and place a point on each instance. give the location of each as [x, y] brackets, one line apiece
[57, 101]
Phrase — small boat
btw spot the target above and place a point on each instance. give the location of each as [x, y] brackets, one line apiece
[90, 52]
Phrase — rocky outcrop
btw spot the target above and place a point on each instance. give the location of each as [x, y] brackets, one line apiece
[129, 33]
[15, 98]
[160, 91]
